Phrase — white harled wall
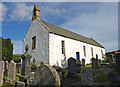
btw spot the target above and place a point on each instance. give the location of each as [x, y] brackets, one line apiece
[71, 47]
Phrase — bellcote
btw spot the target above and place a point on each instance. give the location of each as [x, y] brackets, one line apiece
[36, 13]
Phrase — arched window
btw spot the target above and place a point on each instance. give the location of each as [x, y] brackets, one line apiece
[92, 52]
[102, 54]
[84, 50]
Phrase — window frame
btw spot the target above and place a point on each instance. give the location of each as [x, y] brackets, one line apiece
[33, 45]
[84, 50]
[63, 47]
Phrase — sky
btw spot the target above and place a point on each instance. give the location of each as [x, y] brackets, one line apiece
[97, 20]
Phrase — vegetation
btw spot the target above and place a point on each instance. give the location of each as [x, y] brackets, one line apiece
[7, 49]
[99, 77]
[17, 57]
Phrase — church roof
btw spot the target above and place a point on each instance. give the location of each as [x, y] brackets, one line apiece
[63, 32]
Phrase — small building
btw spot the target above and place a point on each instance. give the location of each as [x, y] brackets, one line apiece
[55, 45]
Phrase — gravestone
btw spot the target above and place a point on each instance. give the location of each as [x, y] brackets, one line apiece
[60, 72]
[107, 70]
[78, 66]
[99, 61]
[83, 62]
[1, 71]
[11, 71]
[25, 65]
[6, 68]
[71, 67]
[117, 62]
[112, 76]
[34, 65]
[46, 75]
[94, 63]
[87, 77]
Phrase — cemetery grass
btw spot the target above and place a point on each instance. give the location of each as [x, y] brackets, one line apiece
[99, 77]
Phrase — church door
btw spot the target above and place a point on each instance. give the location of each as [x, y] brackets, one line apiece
[77, 55]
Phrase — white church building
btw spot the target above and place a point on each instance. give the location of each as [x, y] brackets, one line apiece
[55, 45]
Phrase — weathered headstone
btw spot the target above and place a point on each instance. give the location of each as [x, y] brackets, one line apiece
[71, 67]
[83, 62]
[25, 74]
[46, 75]
[1, 71]
[11, 71]
[107, 70]
[99, 61]
[87, 77]
[94, 63]
[34, 65]
[112, 76]
[117, 62]
[78, 66]
[32, 76]
[6, 68]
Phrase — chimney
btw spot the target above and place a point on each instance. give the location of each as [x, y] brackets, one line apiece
[36, 13]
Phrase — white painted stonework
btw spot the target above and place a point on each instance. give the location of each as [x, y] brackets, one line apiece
[49, 47]
[71, 47]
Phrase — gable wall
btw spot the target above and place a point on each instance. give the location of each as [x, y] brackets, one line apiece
[41, 53]
[71, 47]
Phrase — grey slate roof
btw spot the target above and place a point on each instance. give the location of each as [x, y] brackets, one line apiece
[63, 32]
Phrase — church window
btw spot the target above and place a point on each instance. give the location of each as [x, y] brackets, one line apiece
[102, 54]
[63, 47]
[92, 52]
[33, 43]
[84, 50]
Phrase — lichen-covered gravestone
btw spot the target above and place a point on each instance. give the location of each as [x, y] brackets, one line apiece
[6, 68]
[87, 77]
[71, 67]
[11, 71]
[78, 66]
[94, 63]
[1, 71]
[46, 75]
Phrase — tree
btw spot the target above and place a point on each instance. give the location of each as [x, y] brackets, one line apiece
[7, 49]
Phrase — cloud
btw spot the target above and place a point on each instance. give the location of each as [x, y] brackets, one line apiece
[53, 10]
[100, 24]
[3, 11]
[17, 46]
[21, 12]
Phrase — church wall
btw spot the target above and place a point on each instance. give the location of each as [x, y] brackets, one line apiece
[41, 53]
[71, 47]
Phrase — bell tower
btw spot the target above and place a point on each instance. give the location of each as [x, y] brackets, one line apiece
[36, 13]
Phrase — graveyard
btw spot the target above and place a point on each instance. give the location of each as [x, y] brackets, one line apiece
[16, 73]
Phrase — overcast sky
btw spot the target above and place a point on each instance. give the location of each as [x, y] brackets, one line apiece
[97, 20]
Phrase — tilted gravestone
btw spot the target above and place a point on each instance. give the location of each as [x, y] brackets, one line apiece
[94, 63]
[11, 71]
[71, 67]
[117, 62]
[87, 77]
[6, 68]
[83, 62]
[78, 66]
[46, 75]
[1, 71]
